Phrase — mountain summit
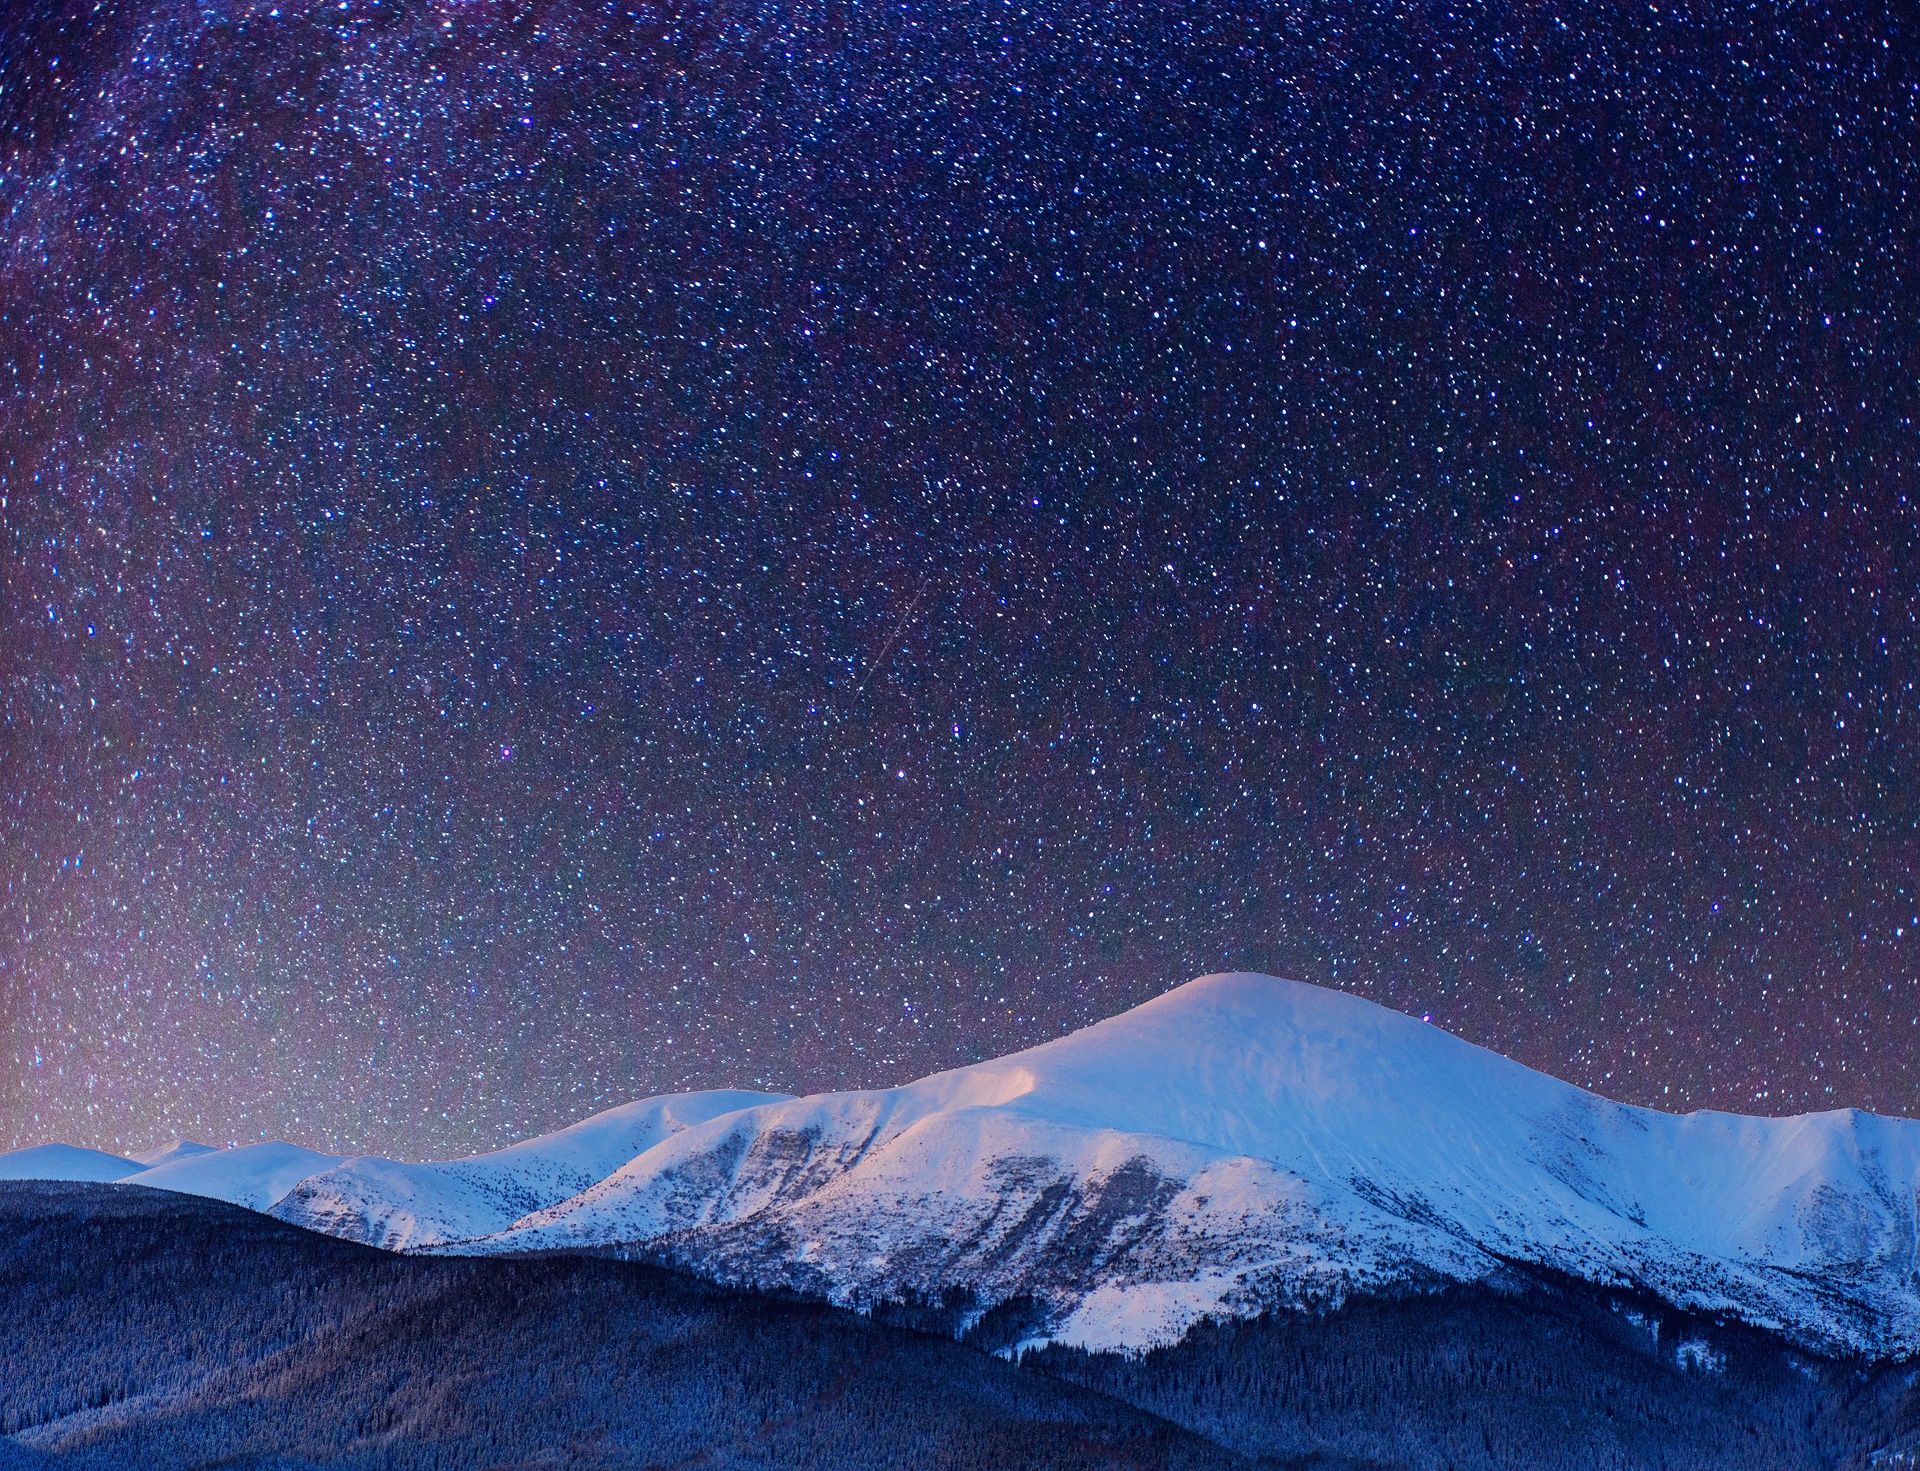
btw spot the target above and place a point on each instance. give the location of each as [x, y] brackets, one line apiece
[1243, 1143]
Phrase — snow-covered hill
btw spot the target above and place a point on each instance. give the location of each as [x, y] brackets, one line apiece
[1238, 1144]
[254, 1175]
[64, 1162]
[404, 1206]
[175, 1149]
[1243, 1142]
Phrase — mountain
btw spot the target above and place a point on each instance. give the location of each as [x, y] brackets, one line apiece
[408, 1206]
[64, 1162]
[1237, 1146]
[1244, 1143]
[151, 1329]
[253, 1175]
[167, 1153]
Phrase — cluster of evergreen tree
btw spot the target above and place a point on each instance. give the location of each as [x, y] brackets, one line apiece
[147, 1330]
[142, 1329]
[1546, 1373]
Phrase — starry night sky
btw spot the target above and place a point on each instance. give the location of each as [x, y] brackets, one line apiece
[562, 551]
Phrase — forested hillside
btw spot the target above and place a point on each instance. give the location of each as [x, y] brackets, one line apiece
[1554, 1374]
[148, 1329]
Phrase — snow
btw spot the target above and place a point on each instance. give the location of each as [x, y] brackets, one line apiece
[409, 1206]
[1238, 1145]
[64, 1162]
[254, 1175]
[1117, 1319]
[166, 1154]
[1302, 1143]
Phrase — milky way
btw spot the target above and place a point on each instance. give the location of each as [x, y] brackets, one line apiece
[561, 551]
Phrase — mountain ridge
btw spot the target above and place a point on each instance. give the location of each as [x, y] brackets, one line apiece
[1238, 1145]
[1243, 1143]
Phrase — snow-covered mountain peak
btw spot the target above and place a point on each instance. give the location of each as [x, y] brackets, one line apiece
[1228, 1059]
[1238, 1144]
[1242, 1142]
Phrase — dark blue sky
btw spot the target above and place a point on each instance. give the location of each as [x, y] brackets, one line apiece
[559, 551]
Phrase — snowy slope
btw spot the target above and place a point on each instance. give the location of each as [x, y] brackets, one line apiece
[1239, 1144]
[254, 1175]
[166, 1154]
[408, 1206]
[1244, 1142]
[64, 1162]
